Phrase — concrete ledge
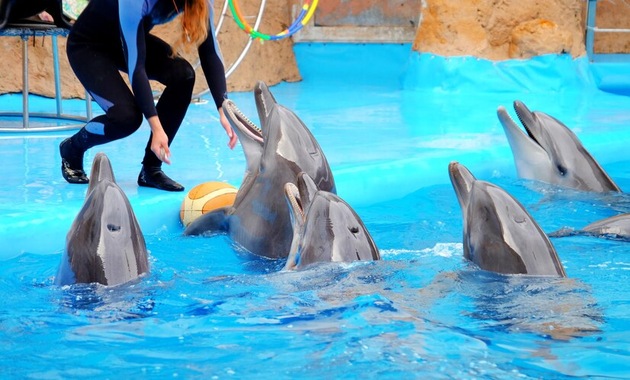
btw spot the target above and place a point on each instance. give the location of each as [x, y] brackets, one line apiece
[316, 32]
[355, 34]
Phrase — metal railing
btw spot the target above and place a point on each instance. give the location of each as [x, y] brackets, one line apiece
[591, 29]
[60, 120]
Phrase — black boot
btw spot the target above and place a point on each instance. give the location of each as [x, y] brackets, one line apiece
[73, 148]
[154, 177]
[72, 162]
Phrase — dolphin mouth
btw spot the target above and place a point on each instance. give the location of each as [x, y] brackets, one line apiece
[296, 210]
[295, 200]
[238, 120]
[526, 117]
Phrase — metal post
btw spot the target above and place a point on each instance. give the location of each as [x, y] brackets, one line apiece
[88, 106]
[25, 121]
[590, 27]
[57, 75]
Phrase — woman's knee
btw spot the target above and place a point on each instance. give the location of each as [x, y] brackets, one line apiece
[123, 120]
[182, 72]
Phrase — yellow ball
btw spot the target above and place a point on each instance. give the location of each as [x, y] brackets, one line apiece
[206, 197]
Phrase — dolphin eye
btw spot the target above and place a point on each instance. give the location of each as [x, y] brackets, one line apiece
[354, 230]
[113, 227]
[562, 170]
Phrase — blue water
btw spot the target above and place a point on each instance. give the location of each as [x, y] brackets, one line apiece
[209, 310]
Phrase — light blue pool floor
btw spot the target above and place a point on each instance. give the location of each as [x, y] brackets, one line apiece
[208, 309]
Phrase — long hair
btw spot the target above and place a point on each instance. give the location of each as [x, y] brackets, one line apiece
[194, 23]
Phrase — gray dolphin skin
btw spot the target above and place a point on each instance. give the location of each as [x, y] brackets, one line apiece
[104, 244]
[614, 227]
[101, 170]
[499, 234]
[275, 154]
[325, 227]
[551, 152]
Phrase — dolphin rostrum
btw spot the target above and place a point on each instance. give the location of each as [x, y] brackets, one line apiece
[105, 243]
[275, 154]
[551, 152]
[499, 234]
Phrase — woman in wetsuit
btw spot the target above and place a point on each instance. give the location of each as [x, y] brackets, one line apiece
[113, 35]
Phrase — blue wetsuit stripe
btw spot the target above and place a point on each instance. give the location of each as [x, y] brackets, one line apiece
[131, 13]
[212, 34]
[212, 65]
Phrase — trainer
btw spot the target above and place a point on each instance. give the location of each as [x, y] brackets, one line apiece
[113, 35]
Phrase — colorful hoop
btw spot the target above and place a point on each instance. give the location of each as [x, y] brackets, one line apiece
[305, 15]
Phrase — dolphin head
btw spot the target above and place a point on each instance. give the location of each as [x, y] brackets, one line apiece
[551, 152]
[276, 152]
[499, 234]
[105, 243]
[325, 228]
[281, 136]
[288, 139]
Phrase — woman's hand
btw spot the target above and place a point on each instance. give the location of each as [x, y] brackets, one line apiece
[228, 129]
[159, 141]
[45, 16]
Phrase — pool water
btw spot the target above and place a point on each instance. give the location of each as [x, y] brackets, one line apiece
[210, 310]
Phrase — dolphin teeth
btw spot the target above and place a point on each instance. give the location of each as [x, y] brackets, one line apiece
[521, 119]
[247, 121]
[238, 116]
[294, 198]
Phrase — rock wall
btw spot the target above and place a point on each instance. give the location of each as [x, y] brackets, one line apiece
[501, 29]
[271, 61]
[506, 29]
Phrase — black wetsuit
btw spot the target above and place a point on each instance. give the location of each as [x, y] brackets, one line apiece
[113, 35]
[22, 9]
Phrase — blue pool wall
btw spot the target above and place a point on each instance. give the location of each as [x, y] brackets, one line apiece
[543, 74]
[461, 95]
[388, 119]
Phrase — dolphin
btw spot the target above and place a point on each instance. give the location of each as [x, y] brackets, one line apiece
[499, 234]
[615, 227]
[259, 220]
[105, 243]
[551, 152]
[325, 227]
